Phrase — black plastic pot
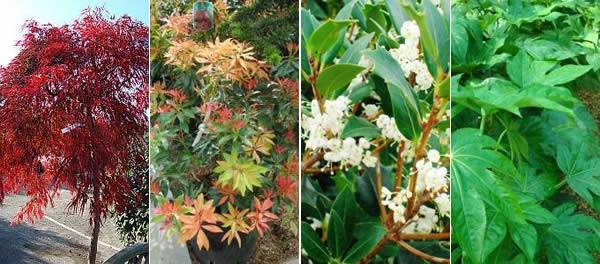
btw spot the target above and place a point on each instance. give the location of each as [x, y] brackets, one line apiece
[220, 252]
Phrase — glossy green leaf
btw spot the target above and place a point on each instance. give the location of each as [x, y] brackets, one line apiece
[468, 209]
[335, 77]
[312, 244]
[525, 237]
[337, 239]
[325, 36]
[537, 214]
[581, 168]
[494, 233]
[475, 187]
[571, 238]
[354, 52]
[437, 27]
[402, 96]
[304, 62]
[397, 14]
[363, 246]
[309, 23]
[345, 206]
[359, 92]
[360, 127]
[376, 21]
[366, 188]
[406, 117]
[518, 68]
[346, 11]
[565, 74]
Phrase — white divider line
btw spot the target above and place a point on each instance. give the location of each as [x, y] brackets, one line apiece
[80, 234]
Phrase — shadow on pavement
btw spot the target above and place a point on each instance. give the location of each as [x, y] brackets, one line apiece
[25, 244]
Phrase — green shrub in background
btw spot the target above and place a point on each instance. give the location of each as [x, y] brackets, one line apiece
[132, 224]
[268, 25]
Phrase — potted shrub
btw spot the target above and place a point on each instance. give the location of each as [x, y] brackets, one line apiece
[223, 140]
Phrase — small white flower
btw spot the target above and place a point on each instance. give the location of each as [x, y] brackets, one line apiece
[388, 128]
[443, 204]
[371, 110]
[410, 31]
[385, 193]
[433, 155]
[358, 80]
[315, 223]
[365, 62]
[369, 160]
[364, 143]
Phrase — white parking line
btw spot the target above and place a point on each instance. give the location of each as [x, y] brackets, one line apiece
[79, 233]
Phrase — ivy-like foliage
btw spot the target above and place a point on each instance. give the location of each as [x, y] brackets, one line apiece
[375, 88]
[524, 148]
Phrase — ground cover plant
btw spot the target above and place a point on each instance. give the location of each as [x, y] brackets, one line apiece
[72, 116]
[223, 143]
[375, 93]
[525, 161]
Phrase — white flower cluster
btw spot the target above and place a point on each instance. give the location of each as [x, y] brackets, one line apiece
[426, 218]
[425, 221]
[395, 201]
[350, 152]
[371, 110]
[390, 131]
[388, 128]
[408, 57]
[319, 125]
[321, 131]
[429, 177]
[443, 204]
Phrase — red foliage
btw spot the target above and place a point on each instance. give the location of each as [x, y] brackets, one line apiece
[287, 187]
[72, 113]
[261, 216]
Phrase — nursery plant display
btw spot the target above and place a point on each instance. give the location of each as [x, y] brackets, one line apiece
[525, 162]
[375, 131]
[72, 116]
[223, 143]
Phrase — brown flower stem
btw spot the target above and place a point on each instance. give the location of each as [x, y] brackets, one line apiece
[399, 168]
[379, 148]
[356, 107]
[351, 31]
[312, 160]
[384, 215]
[420, 151]
[420, 254]
[320, 170]
[376, 249]
[433, 236]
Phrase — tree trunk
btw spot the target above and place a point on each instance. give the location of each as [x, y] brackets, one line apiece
[95, 230]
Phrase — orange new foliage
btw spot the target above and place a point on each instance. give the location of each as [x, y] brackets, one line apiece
[232, 59]
[180, 24]
[202, 217]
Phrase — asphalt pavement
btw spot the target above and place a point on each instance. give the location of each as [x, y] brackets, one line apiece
[47, 241]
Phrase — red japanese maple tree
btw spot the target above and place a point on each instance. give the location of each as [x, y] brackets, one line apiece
[73, 115]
